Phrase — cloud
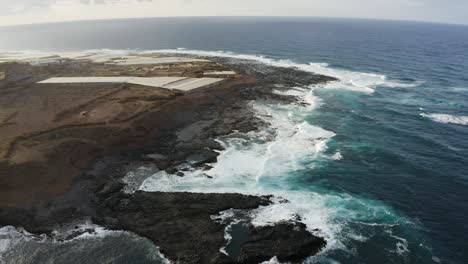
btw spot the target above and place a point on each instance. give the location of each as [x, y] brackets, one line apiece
[37, 11]
[18, 6]
[101, 2]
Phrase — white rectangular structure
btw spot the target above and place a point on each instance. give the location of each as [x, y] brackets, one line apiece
[178, 83]
[149, 60]
[219, 73]
[192, 83]
[116, 58]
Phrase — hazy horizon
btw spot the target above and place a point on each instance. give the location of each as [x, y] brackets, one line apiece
[235, 17]
[19, 12]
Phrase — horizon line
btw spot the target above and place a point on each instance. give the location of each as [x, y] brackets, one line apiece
[259, 16]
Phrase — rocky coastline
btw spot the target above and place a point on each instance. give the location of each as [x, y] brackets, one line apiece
[180, 132]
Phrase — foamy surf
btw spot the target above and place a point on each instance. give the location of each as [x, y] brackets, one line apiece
[9, 237]
[266, 162]
[348, 80]
[19, 246]
[447, 119]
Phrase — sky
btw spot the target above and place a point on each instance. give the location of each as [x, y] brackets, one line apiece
[14, 12]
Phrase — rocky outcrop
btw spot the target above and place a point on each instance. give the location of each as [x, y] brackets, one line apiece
[181, 225]
[177, 135]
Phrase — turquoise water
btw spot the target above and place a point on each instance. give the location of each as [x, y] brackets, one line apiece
[380, 160]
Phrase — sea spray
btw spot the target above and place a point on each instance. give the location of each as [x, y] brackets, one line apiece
[447, 119]
[270, 159]
[265, 163]
[347, 79]
[85, 241]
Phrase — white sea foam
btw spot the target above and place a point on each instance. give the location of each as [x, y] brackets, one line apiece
[274, 260]
[337, 156]
[303, 95]
[447, 119]
[251, 163]
[271, 153]
[348, 80]
[223, 217]
[401, 246]
[11, 237]
[263, 163]
[94, 231]
[460, 89]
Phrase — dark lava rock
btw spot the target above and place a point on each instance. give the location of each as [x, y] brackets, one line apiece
[171, 170]
[111, 187]
[289, 242]
[207, 156]
[179, 223]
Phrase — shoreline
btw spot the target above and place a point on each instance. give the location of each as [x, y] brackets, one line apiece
[98, 192]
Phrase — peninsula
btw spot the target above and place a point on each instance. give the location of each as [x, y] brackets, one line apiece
[73, 125]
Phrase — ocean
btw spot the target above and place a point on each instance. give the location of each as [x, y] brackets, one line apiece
[378, 160]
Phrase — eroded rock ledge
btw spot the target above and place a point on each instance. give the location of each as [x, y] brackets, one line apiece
[181, 224]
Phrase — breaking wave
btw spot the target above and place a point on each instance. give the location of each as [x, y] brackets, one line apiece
[348, 80]
[447, 119]
[267, 163]
[19, 246]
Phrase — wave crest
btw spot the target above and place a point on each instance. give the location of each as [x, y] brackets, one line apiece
[348, 80]
[447, 119]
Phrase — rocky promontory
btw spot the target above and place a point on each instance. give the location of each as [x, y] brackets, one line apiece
[84, 163]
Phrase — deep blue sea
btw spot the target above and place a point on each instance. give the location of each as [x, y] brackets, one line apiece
[380, 162]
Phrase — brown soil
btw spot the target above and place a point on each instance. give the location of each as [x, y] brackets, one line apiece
[66, 149]
[50, 132]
